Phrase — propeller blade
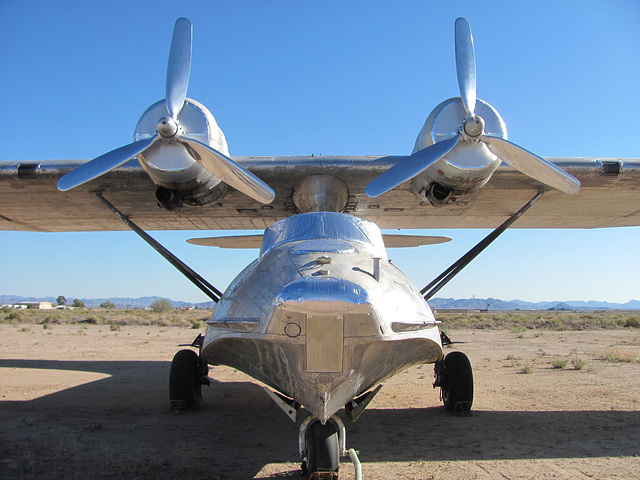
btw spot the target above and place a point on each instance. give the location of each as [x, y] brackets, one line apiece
[410, 167]
[532, 165]
[466, 64]
[228, 171]
[103, 164]
[179, 67]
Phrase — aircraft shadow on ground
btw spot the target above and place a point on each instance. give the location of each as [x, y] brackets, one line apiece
[132, 404]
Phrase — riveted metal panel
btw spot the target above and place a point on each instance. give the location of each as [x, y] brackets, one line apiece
[325, 343]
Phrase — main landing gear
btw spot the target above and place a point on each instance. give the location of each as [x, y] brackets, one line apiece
[455, 379]
[188, 374]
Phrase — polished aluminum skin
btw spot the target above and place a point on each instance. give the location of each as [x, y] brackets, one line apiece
[469, 165]
[320, 193]
[170, 164]
[322, 315]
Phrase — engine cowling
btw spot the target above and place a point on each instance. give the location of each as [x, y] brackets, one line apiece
[462, 144]
[170, 166]
[467, 167]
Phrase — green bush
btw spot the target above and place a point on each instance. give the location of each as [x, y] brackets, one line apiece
[633, 322]
[162, 305]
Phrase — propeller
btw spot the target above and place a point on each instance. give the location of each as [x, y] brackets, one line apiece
[179, 67]
[410, 167]
[169, 131]
[228, 171]
[103, 164]
[466, 65]
[471, 131]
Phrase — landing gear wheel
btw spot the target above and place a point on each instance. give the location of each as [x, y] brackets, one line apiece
[185, 385]
[323, 452]
[457, 388]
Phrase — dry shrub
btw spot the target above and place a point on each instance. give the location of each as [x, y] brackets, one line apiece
[526, 370]
[578, 363]
[549, 320]
[617, 355]
[91, 319]
[559, 362]
[16, 316]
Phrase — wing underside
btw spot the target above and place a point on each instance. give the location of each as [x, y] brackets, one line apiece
[30, 201]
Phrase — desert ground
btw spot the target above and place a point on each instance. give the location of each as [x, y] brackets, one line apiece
[91, 401]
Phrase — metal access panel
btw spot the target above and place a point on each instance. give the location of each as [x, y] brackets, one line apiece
[325, 343]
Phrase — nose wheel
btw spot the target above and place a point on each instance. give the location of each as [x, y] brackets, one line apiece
[323, 451]
[321, 447]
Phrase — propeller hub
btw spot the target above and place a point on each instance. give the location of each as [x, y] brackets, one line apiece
[168, 128]
[473, 127]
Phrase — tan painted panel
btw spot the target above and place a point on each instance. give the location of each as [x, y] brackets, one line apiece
[325, 343]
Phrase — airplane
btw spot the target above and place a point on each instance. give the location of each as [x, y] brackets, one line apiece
[322, 317]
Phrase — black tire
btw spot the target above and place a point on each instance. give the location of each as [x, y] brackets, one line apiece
[323, 450]
[185, 388]
[457, 388]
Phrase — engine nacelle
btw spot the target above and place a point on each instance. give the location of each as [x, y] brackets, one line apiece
[438, 195]
[171, 167]
[469, 165]
[169, 199]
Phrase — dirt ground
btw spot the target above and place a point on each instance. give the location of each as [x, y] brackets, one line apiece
[89, 402]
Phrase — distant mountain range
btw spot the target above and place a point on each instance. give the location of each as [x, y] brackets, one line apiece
[119, 302]
[467, 303]
[497, 304]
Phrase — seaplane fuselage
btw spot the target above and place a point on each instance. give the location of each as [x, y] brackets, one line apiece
[322, 315]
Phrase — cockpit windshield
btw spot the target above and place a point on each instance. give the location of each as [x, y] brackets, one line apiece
[323, 225]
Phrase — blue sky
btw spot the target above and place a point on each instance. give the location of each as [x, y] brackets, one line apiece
[293, 77]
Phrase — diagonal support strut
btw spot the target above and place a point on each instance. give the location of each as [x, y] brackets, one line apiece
[209, 290]
[444, 278]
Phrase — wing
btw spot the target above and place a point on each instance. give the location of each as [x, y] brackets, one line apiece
[255, 241]
[30, 201]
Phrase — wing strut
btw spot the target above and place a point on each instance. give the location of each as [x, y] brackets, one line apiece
[209, 290]
[454, 269]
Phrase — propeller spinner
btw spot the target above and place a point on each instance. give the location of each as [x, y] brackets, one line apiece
[169, 133]
[471, 138]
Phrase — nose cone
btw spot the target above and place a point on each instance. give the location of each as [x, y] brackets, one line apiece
[474, 126]
[167, 127]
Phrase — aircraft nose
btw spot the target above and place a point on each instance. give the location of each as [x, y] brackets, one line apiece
[323, 295]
